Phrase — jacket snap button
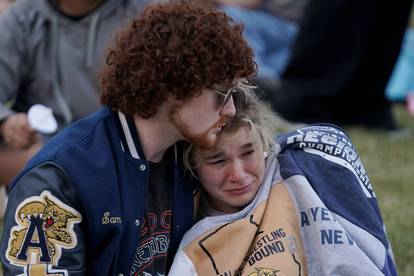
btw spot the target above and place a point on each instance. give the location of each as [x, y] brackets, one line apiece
[142, 167]
[137, 222]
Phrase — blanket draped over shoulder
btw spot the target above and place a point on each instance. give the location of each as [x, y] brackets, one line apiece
[315, 214]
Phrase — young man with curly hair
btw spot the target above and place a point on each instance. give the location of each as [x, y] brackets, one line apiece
[108, 195]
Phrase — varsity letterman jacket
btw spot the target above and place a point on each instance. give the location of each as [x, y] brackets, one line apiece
[77, 208]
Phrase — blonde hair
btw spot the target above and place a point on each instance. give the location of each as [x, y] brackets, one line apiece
[251, 112]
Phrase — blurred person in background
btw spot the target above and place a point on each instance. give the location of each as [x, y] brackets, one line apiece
[4, 4]
[400, 87]
[49, 53]
[270, 29]
[291, 10]
[341, 61]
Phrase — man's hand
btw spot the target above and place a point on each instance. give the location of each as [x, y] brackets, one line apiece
[17, 132]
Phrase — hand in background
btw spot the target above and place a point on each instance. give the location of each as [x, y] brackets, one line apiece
[17, 133]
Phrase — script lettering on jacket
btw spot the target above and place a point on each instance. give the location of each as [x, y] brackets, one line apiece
[108, 219]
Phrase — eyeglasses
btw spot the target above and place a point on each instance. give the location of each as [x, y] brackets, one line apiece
[226, 93]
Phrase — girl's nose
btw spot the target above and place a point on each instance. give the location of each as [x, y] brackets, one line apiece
[236, 171]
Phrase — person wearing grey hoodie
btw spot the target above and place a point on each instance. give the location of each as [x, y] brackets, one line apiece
[50, 51]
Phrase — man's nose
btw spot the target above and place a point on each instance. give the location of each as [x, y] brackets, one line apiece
[228, 110]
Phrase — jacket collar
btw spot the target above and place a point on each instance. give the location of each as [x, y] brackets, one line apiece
[129, 136]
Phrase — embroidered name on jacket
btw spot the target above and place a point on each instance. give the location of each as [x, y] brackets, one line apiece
[44, 227]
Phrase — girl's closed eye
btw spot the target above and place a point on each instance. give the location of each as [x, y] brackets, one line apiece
[216, 162]
[248, 153]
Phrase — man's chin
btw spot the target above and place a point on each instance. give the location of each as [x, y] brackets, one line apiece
[206, 144]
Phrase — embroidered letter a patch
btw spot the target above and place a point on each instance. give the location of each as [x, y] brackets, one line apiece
[44, 227]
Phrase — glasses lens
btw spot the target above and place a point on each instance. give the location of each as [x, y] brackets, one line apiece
[225, 94]
[228, 94]
[227, 97]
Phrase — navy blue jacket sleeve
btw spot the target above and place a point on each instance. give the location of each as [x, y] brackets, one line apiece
[42, 226]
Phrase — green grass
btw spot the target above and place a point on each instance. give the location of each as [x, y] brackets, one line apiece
[389, 161]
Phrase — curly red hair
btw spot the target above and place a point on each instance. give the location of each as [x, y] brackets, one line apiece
[174, 49]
